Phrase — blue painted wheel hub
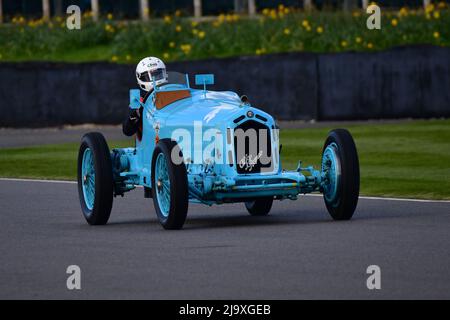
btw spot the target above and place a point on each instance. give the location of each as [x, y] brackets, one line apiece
[88, 178]
[162, 184]
[331, 169]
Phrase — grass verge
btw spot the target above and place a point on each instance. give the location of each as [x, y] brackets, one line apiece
[408, 159]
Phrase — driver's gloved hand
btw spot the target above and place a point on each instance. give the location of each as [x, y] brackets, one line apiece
[134, 115]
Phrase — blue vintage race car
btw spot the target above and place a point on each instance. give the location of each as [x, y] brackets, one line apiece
[210, 147]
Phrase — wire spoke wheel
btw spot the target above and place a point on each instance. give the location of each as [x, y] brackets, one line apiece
[340, 174]
[169, 186]
[88, 176]
[332, 168]
[162, 184]
[95, 180]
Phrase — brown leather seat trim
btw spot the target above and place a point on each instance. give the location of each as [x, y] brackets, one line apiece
[164, 98]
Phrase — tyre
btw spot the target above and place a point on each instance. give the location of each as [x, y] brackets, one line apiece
[169, 186]
[340, 166]
[95, 178]
[259, 207]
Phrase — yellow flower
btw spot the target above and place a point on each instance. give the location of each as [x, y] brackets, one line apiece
[265, 11]
[280, 7]
[308, 28]
[87, 14]
[260, 51]
[114, 58]
[172, 44]
[194, 31]
[436, 34]
[186, 48]
[429, 8]
[319, 29]
[286, 31]
[394, 22]
[109, 16]
[177, 13]
[370, 45]
[436, 15]
[344, 43]
[356, 14]
[166, 55]
[358, 39]
[167, 19]
[178, 28]
[403, 12]
[442, 5]
[194, 24]
[109, 28]
[286, 11]
[201, 34]
[305, 23]
[273, 14]
[128, 57]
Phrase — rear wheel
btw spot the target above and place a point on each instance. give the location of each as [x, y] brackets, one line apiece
[340, 166]
[95, 178]
[169, 186]
[259, 207]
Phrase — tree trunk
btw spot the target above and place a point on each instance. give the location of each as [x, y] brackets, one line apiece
[307, 5]
[197, 8]
[251, 7]
[46, 10]
[143, 9]
[239, 6]
[58, 6]
[1, 11]
[95, 9]
[365, 4]
[349, 5]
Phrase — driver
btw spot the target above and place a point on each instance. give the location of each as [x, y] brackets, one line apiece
[149, 71]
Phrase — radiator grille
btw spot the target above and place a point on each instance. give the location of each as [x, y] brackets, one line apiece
[252, 147]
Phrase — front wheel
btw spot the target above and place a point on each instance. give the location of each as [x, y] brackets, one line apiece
[169, 185]
[95, 179]
[340, 168]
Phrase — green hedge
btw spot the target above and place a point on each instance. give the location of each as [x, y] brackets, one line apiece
[177, 38]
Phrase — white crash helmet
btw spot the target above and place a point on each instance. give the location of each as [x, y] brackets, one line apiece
[148, 69]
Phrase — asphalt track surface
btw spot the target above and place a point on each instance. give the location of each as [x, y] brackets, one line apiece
[297, 252]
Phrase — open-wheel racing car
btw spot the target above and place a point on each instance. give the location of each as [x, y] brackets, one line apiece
[210, 147]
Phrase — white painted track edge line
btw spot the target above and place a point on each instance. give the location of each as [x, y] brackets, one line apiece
[38, 180]
[386, 198]
[311, 194]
